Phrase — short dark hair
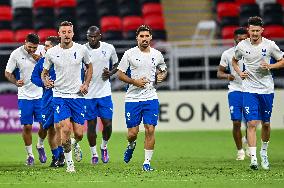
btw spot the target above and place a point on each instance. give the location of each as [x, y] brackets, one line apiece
[54, 40]
[255, 21]
[32, 38]
[240, 31]
[65, 23]
[143, 28]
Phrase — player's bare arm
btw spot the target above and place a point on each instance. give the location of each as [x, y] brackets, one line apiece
[161, 75]
[279, 64]
[236, 67]
[12, 79]
[108, 73]
[138, 82]
[48, 83]
[89, 73]
[221, 74]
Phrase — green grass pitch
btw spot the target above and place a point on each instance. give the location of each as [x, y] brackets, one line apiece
[181, 159]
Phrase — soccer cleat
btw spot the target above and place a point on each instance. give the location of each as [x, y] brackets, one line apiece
[54, 163]
[147, 167]
[70, 168]
[61, 160]
[240, 156]
[30, 160]
[41, 154]
[77, 152]
[253, 165]
[95, 160]
[128, 153]
[264, 162]
[105, 157]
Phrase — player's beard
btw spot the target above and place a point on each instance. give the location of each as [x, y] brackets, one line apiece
[144, 44]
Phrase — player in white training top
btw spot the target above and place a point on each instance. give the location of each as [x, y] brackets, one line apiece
[98, 100]
[68, 88]
[22, 62]
[235, 95]
[142, 67]
[258, 86]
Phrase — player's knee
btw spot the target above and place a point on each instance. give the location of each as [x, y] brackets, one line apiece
[132, 134]
[149, 129]
[266, 125]
[27, 128]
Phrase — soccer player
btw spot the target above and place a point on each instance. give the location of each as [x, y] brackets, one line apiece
[47, 107]
[145, 66]
[68, 88]
[98, 100]
[24, 59]
[235, 95]
[258, 86]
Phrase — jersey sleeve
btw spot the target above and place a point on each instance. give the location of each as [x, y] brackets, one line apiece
[113, 57]
[161, 64]
[36, 74]
[224, 61]
[86, 56]
[47, 61]
[238, 53]
[12, 63]
[276, 53]
[124, 63]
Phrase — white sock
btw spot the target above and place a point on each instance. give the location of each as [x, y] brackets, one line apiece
[68, 158]
[40, 143]
[148, 156]
[73, 141]
[29, 150]
[94, 151]
[131, 145]
[241, 151]
[252, 151]
[104, 144]
[264, 146]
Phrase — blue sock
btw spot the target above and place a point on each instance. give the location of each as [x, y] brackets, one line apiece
[55, 153]
[60, 149]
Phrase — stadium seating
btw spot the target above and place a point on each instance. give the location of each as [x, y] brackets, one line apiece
[20, 35]
[5, 2]
[229, 9]
[6, 13]
[6, 36]
[43, 3]
[65, 3]
[131, 23]
[155, 22]
[241, 2]
[248, 10]
[228, 32]
[273, 31]
[149, 1]
[44, 33]
[111, 23]
[152, 9]
[273, 14]
[229, 21]
[22, 3]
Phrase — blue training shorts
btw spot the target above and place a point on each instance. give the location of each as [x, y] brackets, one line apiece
[47, 115]
[135, 111]
[99, 107]
[69, 108]
[29, 111]
[258, 106]
[235, 99]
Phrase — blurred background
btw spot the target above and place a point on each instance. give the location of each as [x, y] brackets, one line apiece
[192, 34]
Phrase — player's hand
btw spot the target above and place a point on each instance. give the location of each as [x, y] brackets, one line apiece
[48, 83]
[141, 82]
[161, 75]
[84, 89]
[230, 77]
[20, 83]
[106, 74]
[243, 75]
[264, 66]
[36, 57]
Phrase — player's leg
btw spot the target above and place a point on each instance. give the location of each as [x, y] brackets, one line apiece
[105, 109]
[252, 116]
[26, 118]
[91, 117]
[133, 118]
[150, 119]
[266, 110]
[53, 146]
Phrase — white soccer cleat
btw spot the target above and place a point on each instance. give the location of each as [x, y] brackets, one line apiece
[253, 164]
[241, 156]
[77, 152]
[70, 168]
[245, 146]
[264, 162]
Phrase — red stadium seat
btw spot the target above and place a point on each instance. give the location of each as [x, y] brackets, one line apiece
[280, 2]
[131, 23]
[44, 33]
[273, 31]
[111, 23]
[43, 3]
[6, 13]
[228, 32]
[241, 2]
[65, 3]
[20, 35]
[155, 22]
[149, 9]
[228, 9]
[6, 36]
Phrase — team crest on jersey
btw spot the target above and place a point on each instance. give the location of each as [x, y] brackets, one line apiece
[104, 53]
[263, 52]
[153, 60]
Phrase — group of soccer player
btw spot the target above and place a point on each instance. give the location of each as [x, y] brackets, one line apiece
[248, 67]
[65, 84]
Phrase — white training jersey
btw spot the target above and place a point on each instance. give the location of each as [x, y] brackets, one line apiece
[68, 69]
[24, 62]
[226, 61]
[139, 64]
[101, 58]
[258, 81]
